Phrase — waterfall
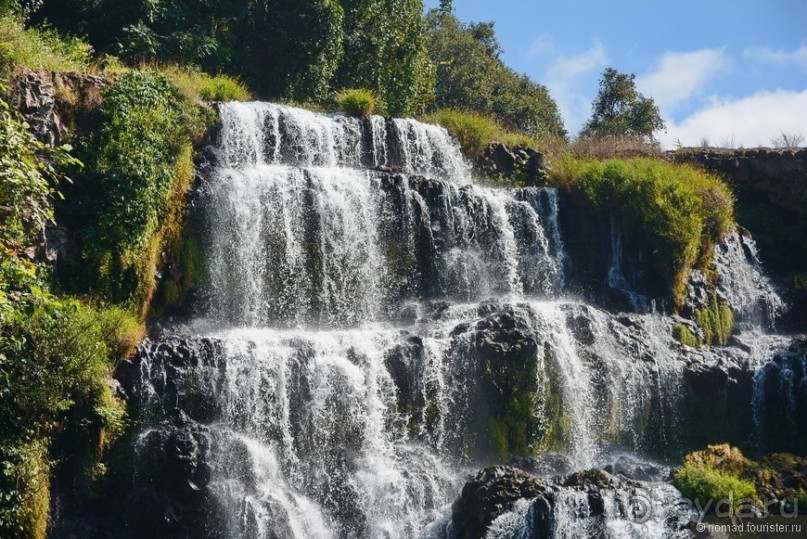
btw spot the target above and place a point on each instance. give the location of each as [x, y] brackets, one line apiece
[743, 283]
[365, 307]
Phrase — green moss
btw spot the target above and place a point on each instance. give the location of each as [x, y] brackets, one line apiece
[684, 335]
[703, 484]
[716, 320]
[680, 211]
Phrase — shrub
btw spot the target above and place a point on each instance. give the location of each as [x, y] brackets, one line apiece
[680, 211]
[357, 102]
[55, 354]
[25, 485]
[719, 472]
[140, 163]
[40, 48]
[28, 172]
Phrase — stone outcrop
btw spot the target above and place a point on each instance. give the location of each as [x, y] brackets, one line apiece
[780, 174]
[53, 102]
[525, 164]
[491, 493]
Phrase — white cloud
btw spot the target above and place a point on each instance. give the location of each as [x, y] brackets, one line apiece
[746, 122]
[541, 46]
[563, 80]
[566, 68]
[677, 76]
[782, 57]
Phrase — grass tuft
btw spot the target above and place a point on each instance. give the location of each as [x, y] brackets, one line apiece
[197, 86]
[357, 102]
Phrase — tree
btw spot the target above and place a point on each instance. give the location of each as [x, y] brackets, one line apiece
[385, 51]
[470, 75]
[620, 109]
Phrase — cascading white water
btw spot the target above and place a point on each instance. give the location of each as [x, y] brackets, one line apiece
[345, 259]
[742, 282]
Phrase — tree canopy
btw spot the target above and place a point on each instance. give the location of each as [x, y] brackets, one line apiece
[470, 75]
[620, 109]
[304, 51]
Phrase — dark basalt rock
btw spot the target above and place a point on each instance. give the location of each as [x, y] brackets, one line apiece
[491, 493]
[190, 383]
[520, 162]
[543, 465]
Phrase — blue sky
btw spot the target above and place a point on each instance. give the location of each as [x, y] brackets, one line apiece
[731, 72]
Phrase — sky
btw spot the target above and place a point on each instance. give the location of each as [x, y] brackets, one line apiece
[726, 73]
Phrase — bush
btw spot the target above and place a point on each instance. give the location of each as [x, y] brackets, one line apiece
[28, 172]
[140, 163]
[720, 472]
[357, 102]
[25, 488]
[40, 48]
[54, 355]
[680, 211]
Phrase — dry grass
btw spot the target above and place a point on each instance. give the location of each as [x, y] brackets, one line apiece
[613, 147]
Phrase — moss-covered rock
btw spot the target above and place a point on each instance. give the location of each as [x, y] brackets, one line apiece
[507, 353]
[722, 472]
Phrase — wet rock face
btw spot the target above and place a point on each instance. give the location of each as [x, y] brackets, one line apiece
[589, 502]
[175, 501]
[780, 400]
[507, 354]
[192, 368]
[491, 493]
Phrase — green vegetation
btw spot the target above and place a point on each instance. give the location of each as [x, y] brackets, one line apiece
[54, 352]
[716, 473]
[685, 336]
[476, 131]
[300, 51]
[43, 48]
[703, 484]
[619, 109]
[471, 76]
[721, 472]
[195, 86]
[679, 210]
[357, 102]
[716, 320]
[139, 165]
[385, 51]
